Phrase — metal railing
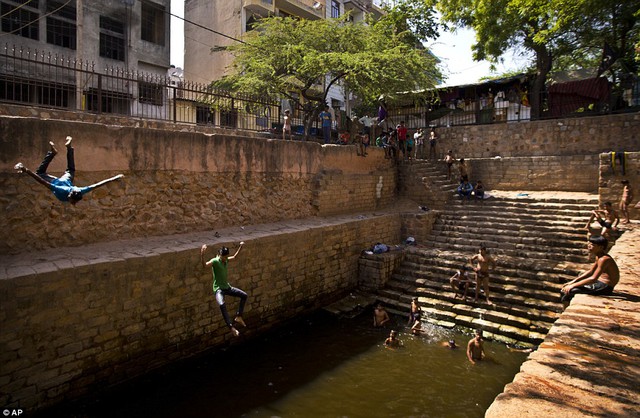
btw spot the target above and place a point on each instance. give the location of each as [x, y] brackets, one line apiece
[36, 78]
[583, 98]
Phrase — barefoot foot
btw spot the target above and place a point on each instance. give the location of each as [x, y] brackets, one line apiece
[235, 332]
[240, 321]
[53, 147]
[68, 141]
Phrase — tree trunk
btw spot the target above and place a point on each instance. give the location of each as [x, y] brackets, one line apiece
[543, 66]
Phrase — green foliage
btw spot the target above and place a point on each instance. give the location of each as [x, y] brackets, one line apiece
[301, 59]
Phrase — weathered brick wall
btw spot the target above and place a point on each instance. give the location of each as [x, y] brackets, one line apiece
[175, 182]
[611, 175]
[576, 173]
[571, 136]
[375, 270]
[82, 323]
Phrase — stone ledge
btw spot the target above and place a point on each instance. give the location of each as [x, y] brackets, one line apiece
[587, 364]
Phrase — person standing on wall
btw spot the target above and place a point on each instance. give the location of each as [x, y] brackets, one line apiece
[221, 286]
[433, 139]
[325, 117]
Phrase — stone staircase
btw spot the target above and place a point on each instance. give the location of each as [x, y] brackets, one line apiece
[538, 243]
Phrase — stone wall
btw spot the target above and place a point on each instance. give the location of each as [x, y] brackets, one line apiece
[611, 175]
[576, 173]
[105, 313]
[175, 182]
[570, 136]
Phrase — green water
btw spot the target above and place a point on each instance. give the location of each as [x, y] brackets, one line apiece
[318, 366]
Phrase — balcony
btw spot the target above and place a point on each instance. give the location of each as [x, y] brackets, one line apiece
[260, 7]
[307, 9]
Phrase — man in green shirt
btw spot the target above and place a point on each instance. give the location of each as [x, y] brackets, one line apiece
[221, 286]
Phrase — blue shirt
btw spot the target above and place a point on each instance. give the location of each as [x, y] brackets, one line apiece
[326, 119]
[61, 189]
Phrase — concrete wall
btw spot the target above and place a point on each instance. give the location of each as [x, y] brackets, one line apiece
[105, 313]
[571, 136]
[175, 182]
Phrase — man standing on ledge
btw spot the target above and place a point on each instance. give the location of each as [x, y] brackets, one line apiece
[62, 187]
[325, 117]
[600, 279]
[221, 286]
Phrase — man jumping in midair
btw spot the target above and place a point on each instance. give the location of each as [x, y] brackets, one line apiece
[62, 187]
[221, 286]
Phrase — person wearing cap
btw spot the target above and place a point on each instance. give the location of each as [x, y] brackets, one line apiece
[475, 347]
[62, 187]
[601, 278]
[221, 286]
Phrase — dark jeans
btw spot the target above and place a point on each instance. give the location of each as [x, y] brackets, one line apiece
[68, 175]
[235, 292]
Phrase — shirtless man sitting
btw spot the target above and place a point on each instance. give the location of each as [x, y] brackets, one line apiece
[483, 261]
[600, 279]
[607, 218]
[475, 348]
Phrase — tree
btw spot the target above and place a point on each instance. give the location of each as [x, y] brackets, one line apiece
[550, 29]
[301, 59]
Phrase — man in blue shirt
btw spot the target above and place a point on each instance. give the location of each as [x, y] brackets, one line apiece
[325, 116]
[62, 187]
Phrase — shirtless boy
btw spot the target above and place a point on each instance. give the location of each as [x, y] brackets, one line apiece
[380, 316]
[483, 261]
[392, 341]
[460, 283]
[416, 310]
[475, 348]
[600, 279]
[607, 218]
[625, 201]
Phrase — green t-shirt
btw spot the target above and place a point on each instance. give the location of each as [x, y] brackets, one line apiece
[219, 270]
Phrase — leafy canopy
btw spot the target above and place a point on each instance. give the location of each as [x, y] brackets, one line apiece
[287, 57]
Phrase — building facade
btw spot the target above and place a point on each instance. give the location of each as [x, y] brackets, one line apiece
[221, 23]
[85, 40]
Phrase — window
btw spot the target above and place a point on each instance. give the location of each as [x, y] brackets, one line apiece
[21, 18]
[152, 23]
[111, 38]
[335, 9]
[150, 93]
[61, 24]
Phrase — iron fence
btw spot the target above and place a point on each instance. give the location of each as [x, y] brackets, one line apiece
[583, 98]
[36, 78]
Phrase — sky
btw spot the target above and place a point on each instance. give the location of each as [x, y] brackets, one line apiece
[453, 49]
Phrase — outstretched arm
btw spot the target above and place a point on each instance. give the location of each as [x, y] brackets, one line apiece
[202, 260]
[237, 251]
[103, 182]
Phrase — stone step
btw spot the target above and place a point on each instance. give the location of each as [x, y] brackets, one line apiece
[446, 300]
[525, 266]
[506, 242]
[501, 286]
[521, 252]
[480, 211]
[540, 243]
[548, 231]
[510, 327]
[525, 278]
[510, 290]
